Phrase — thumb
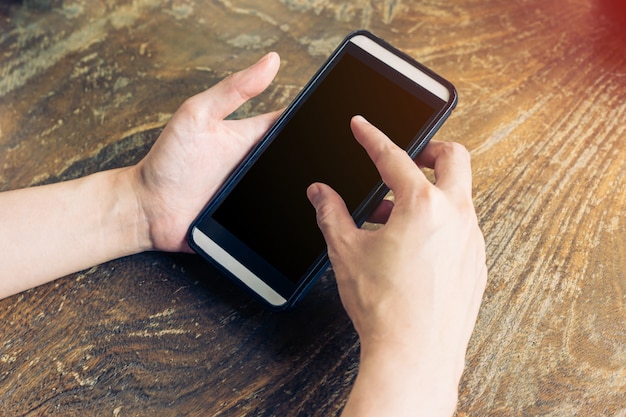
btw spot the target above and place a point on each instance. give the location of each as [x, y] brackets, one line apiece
[229, 94]
[333, 217]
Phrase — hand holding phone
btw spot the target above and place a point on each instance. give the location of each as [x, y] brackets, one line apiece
[197, 151]
[259, 227]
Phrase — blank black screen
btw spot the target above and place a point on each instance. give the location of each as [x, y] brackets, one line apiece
[268, 209]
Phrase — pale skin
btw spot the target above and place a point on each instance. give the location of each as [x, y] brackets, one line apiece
[412, 287]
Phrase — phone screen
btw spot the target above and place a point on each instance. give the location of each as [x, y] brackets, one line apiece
[268, 211]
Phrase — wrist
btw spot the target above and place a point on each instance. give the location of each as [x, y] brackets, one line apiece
[129, 222]
[402, 380]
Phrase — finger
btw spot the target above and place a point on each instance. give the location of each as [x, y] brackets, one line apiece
[226, 96]
[381, 214]
[451, 164]
[332, 215]
[396, 168]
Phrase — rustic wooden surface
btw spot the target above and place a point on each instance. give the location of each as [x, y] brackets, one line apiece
[87, 85]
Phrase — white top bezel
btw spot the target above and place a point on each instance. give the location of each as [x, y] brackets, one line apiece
[402, 66]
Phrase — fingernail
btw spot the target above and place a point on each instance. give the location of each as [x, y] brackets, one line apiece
[267, 57]
[313, 192]
[360, 119]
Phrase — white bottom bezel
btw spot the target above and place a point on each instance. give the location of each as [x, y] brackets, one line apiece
[247, 277]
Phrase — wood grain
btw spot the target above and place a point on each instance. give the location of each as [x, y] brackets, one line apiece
[86, 86]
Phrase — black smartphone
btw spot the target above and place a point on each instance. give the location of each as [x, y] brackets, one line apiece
[260, 228]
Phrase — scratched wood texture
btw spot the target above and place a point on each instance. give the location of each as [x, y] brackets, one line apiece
[88, 85]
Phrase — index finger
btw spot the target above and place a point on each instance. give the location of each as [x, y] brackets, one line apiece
[394, 165]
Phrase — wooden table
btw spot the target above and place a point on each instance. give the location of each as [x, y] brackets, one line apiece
[88, 85]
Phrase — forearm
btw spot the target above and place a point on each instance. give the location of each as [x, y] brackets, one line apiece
[50, 231]
[399, 385]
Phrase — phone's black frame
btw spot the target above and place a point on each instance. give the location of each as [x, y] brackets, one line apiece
[368, 204]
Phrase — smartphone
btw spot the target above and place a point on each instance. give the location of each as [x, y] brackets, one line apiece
[260, 228]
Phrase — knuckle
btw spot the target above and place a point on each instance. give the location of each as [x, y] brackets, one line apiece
[194, 113]
[191, 107]
[323, 213]
[235, 87]
[455, 150]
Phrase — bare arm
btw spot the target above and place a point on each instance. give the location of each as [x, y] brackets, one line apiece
[50, 231]
[53, 230]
